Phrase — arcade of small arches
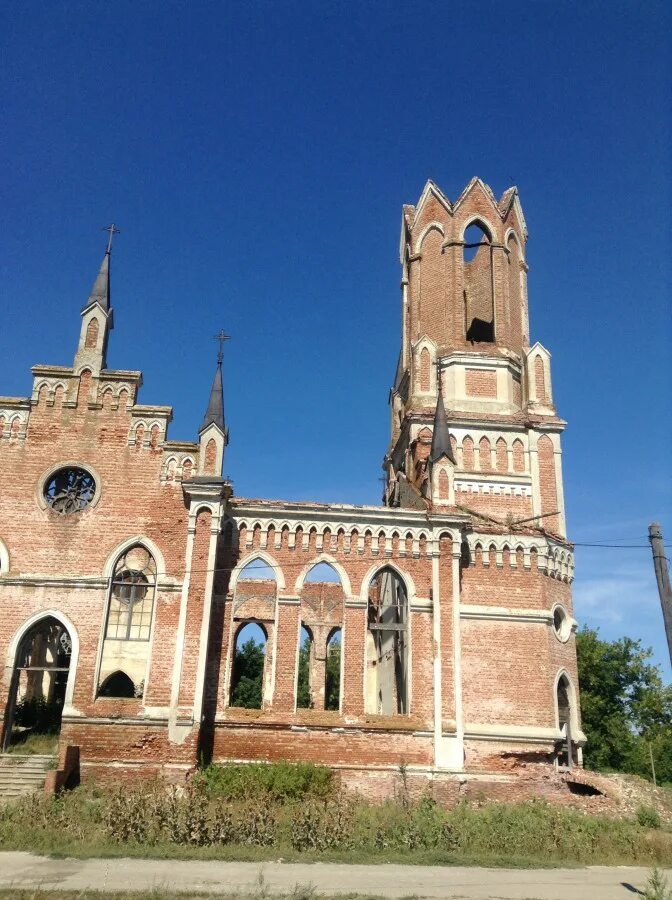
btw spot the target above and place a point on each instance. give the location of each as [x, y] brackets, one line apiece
[494, 453]
[110, 395]
[145, 435]
[335, 538]
[178, 468]
[12, 425]
[554, 560]
[491, 451]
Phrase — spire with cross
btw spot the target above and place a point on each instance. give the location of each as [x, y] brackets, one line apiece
[112, 230]
[100, 292]
[97, 314]
[214, 414]
[221, 338]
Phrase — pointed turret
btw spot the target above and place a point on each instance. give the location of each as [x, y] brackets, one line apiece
[97, 319]
[441, 461]
[441, 445]
[214, 414]
[213, 435]
[100, 292]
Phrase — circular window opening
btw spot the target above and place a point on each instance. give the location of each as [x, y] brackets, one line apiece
[562, 624]
[69, 490]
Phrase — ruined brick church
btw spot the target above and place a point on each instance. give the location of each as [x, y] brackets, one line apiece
[129, 568]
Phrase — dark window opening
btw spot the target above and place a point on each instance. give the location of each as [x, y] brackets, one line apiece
[479, 314]
[118, 684]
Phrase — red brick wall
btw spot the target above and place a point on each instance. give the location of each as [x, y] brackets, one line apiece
[195, 607]
[540, 379]
[481, 382]
[44, 544]
[437, 282]
[549, 494]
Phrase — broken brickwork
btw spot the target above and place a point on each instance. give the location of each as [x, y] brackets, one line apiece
[451, 601]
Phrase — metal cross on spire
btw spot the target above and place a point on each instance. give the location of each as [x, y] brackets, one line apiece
[112, 229]
[221, 338]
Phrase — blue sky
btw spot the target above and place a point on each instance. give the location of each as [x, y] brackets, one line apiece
[256, 157]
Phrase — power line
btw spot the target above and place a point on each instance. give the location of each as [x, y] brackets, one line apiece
[612, 546]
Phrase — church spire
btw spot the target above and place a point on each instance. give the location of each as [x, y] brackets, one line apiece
[213, 435]
[214, 414]
[100, 292]
[441, 445]
[97, 320]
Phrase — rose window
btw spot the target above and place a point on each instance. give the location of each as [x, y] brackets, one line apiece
[69, 490]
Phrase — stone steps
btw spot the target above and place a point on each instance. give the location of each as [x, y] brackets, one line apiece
[21, 774]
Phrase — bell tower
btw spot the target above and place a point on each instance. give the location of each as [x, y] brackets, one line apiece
[465, 348]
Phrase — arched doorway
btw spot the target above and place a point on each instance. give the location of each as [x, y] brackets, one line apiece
[39, 682]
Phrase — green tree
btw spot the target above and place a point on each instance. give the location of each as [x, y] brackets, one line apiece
[332, 688]
[303, 700]
[626, 710]
[247, 675]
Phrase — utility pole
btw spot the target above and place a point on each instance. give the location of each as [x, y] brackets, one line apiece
[661, 566]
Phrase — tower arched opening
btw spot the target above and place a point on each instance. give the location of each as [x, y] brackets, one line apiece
[478, 292]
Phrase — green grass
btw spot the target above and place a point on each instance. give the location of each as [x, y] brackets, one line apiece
[281, 781]
[34, 744]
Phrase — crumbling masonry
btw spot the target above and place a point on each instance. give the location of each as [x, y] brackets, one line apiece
[127, 564]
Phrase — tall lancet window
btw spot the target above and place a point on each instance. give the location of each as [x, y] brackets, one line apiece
[479, 306]
[387, 645]
[128, 626]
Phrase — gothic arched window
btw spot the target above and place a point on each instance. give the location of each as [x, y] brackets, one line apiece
[387, 645]
[132, 590]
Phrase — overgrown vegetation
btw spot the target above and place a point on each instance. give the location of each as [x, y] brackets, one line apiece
[657, 887]
[280, 782]
[261, 891]
[298, 812]
[626, 709]
[27, 744]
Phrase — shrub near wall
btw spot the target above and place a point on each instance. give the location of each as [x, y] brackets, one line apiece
[235, 814]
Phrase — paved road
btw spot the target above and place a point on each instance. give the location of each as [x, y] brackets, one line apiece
[23, 870]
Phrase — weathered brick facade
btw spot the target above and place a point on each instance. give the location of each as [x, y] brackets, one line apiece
[454, 605]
